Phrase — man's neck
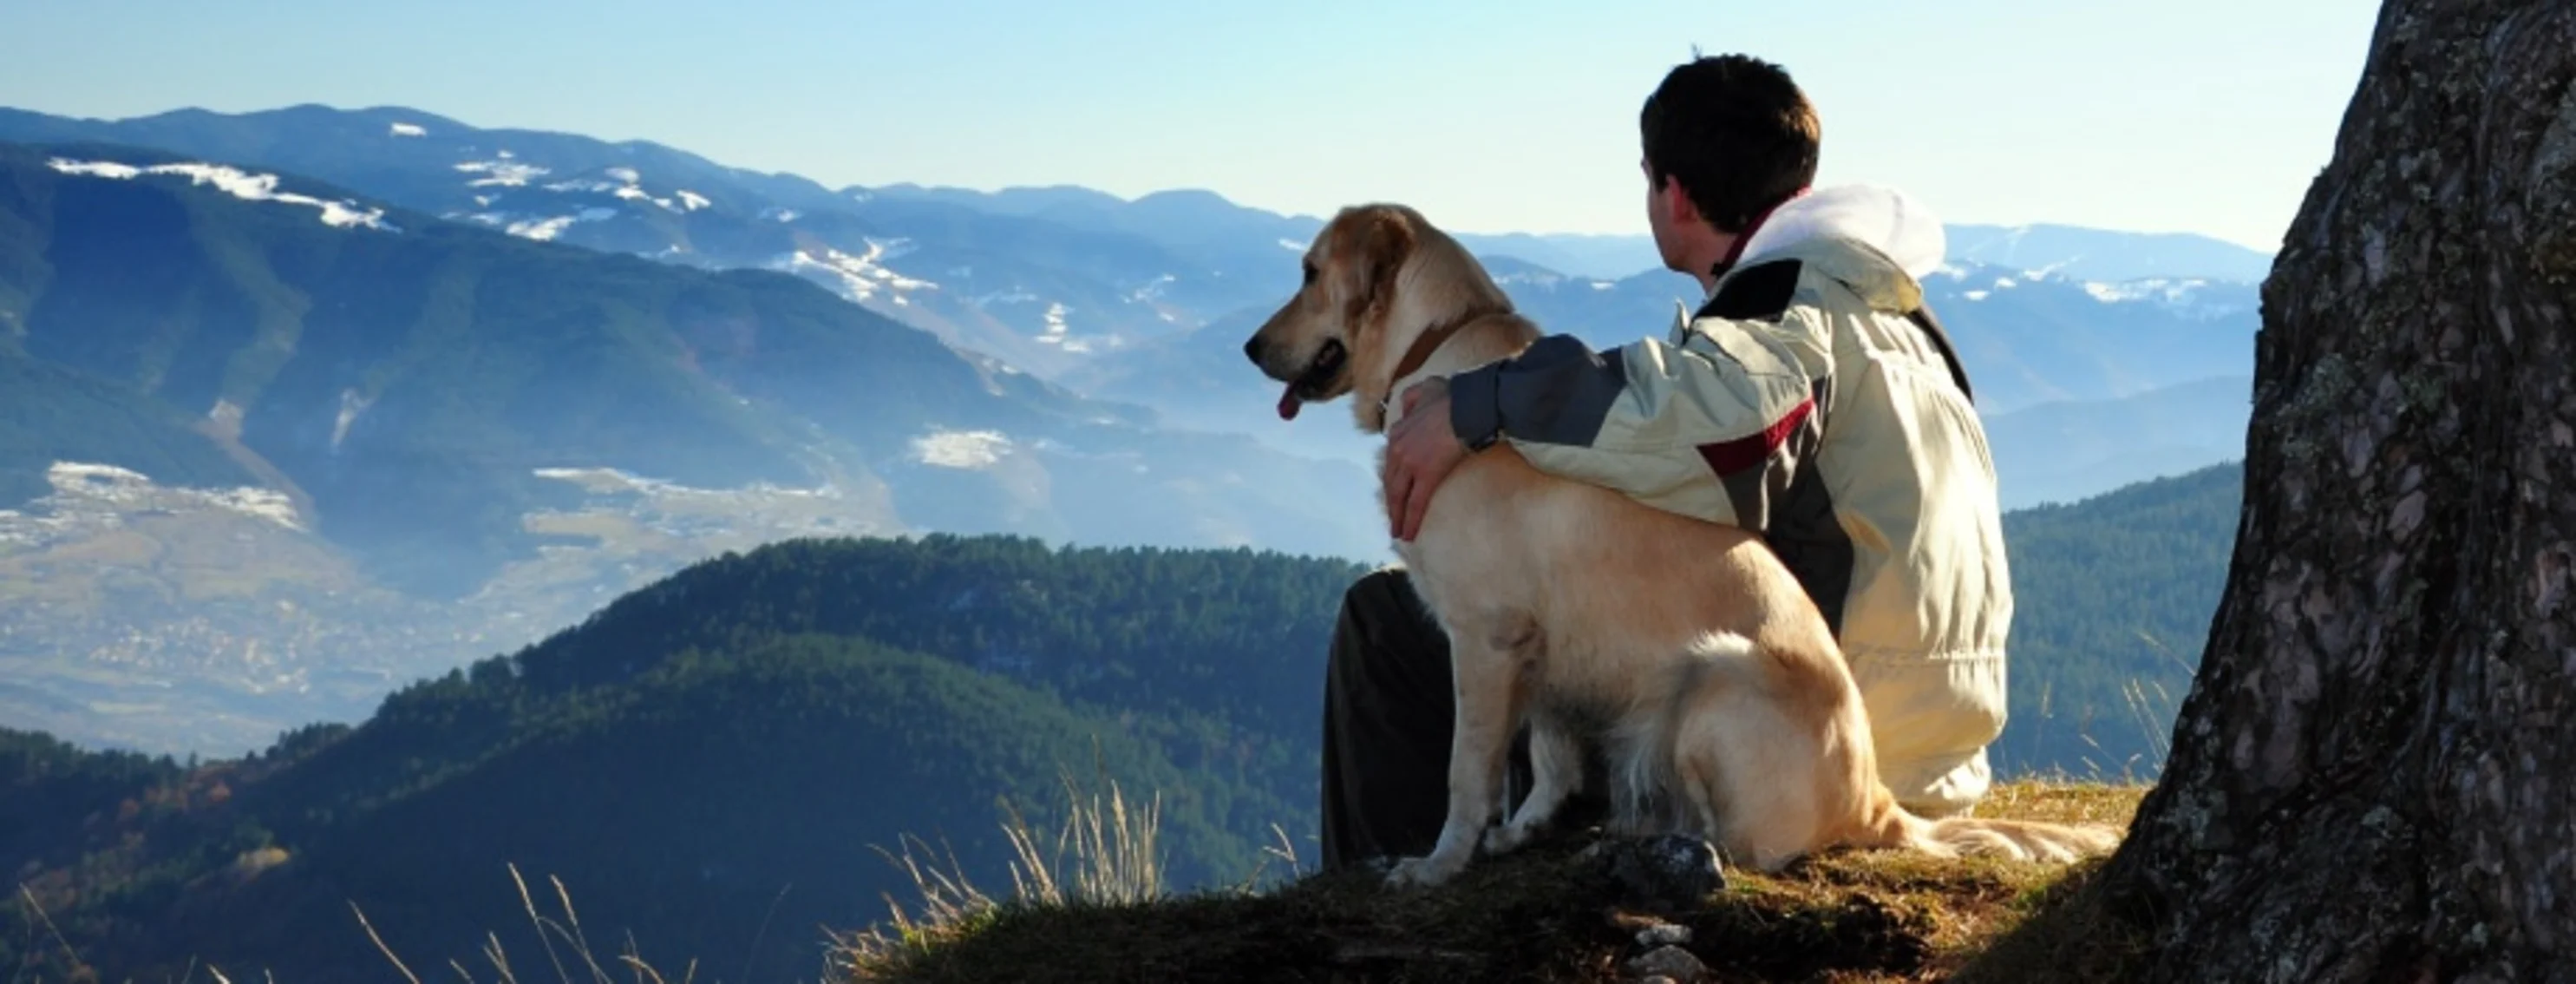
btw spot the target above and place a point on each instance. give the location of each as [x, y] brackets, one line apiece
[1730, 247]
[1708, 269]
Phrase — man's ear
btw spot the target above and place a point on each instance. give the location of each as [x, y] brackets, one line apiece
[1386, 241]
[1677, 201]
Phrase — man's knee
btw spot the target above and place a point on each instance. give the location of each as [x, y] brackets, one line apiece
[1381, 610]
[1386, 642]
[1380, 594]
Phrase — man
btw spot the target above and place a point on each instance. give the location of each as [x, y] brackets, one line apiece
[1810, 398]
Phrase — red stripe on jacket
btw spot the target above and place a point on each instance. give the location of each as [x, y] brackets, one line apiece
[1729, 457]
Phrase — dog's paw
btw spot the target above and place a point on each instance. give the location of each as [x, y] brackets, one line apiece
[1509, 837]
[1422, 872]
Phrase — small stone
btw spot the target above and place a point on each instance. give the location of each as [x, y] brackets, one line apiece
[1670, 962]
[1670, 872]
[1663, 934]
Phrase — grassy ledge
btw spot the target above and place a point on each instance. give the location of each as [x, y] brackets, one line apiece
[1541, 914]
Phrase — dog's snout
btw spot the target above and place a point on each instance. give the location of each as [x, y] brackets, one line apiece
[1252, 349]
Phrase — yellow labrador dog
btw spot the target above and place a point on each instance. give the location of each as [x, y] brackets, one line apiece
[1684, 648]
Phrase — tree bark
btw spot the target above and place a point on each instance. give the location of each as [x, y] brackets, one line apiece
[2374, 776]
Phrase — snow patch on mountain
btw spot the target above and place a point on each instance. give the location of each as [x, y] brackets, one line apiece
[95, 496]
[1057, 333]
[599, 480]
[542, 230]
[407, 130]
[625, 184]
[2189, 297]
[237, 183]
[961, 449]
[891, 249]
[1154, 295]
[858, 278]
[2196, 298]
[717, 518]
[502, 170]
[1014, 295]
[633, 193]
[1535, 278]
[351, 405]
[1153, 290]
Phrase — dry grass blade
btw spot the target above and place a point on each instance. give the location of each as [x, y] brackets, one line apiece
[1112, 847]
[530, 905]
[378, 940]
[79, 966]
[579, 941]
[548, 930]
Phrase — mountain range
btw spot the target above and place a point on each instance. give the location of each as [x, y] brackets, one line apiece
[1042, 277]
[502, 432]
[309, 401]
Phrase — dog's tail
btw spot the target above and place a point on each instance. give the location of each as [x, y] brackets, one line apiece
[2022, 840]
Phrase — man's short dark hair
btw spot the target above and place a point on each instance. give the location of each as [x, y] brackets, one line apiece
[1738, 133]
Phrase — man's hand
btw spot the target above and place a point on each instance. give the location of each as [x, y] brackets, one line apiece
[1420, 451]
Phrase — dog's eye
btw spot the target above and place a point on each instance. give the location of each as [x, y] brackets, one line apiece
[1310, 271]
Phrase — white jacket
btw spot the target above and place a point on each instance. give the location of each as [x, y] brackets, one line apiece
[1800, 401]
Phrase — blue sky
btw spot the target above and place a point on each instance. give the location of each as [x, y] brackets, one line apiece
[2192, 115]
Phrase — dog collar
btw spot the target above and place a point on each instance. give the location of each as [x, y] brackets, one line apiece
[1414, 357]
[1423, 346]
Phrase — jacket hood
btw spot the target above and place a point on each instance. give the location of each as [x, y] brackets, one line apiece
[1861, 235]
[1883, 218]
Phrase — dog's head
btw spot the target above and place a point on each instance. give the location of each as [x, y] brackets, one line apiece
[1375, 278]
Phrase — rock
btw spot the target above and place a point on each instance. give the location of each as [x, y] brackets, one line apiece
[1670, 962]
[1663, 934]
[1666, 873]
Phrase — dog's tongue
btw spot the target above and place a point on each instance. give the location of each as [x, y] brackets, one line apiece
[1288, 403]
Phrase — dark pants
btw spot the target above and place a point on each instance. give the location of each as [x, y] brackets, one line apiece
[1388, 708]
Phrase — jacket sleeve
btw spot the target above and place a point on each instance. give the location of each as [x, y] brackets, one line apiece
[1712, 424]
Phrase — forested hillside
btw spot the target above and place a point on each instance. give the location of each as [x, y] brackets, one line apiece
[714, 760]
[2112, 600]
[723, 751]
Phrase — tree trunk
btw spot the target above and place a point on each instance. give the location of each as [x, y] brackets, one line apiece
[2374, 777]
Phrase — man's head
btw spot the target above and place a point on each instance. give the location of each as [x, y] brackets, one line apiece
[1726, 138]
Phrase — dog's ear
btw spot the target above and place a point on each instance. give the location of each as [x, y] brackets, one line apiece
[1385, 241]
